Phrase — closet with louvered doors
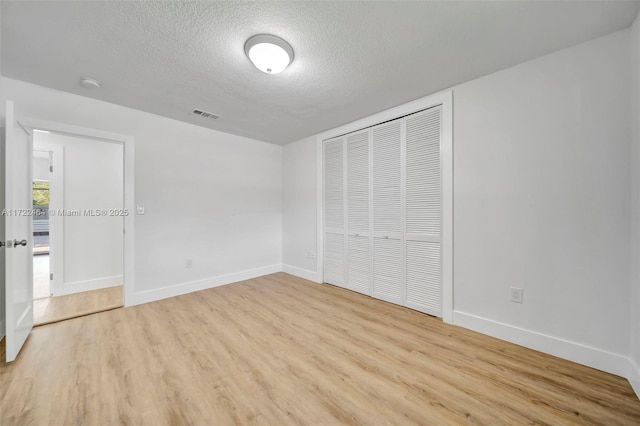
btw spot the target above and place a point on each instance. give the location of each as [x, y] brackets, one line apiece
[382, 211]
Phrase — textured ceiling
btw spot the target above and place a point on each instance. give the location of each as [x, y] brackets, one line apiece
[352, 59]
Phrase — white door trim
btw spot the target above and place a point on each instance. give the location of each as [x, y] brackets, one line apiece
[128, 143]
[56, 222]
[446, 100]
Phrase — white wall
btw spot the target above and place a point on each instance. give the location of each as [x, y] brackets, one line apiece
[541, 201]
[93, 180]
[211, 197]
[635, 200]
[299, 207]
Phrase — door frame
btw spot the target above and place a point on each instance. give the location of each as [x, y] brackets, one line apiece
[128, 143]
[446, 100]
[56, 223]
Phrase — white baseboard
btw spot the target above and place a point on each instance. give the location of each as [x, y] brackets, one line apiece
[633, 376]
[302, 273]
[96, 284]
[572, 351]
[203, 284]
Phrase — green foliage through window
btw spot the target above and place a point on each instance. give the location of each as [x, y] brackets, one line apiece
[41, 194]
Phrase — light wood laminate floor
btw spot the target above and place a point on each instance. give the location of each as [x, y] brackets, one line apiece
[41, 283]
[60, 308]
[281, 350]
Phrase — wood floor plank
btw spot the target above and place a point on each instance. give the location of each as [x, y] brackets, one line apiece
[280, 350]
[60, 308]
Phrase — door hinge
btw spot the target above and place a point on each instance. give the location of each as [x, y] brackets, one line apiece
[51, 277]
[51, 169]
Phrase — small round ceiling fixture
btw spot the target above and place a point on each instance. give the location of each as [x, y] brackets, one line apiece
[90, 83]
[270, 54]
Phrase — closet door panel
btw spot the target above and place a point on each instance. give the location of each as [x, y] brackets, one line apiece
[387, 269]
[423, 279]
[334, 235]
[334, 185]
[423, 212]
[358, 212]
[423, 173]
[334, 259]
[358, 264]
[387, 211]
[358, 183]
[387, 197]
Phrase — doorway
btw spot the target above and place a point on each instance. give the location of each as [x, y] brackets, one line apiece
[41, 197]
[17, 152]
[40, 191]
[78, 226]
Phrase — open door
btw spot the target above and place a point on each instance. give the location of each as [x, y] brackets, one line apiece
[18, 234]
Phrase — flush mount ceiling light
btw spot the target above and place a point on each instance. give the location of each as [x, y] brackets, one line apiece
[90, 83]
[270, 54]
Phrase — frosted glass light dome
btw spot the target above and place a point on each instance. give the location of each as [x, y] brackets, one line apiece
[270, 54]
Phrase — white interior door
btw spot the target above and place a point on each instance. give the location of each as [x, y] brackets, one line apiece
[334, 206]
[424, 212]
[388, 272]
[18, 234]
[358, 200]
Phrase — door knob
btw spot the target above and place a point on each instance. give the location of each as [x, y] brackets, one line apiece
[17, 243]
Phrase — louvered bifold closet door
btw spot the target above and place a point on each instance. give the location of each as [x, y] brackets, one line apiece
[388, 282]
[358, 235]
[334, 206]
[423, 212]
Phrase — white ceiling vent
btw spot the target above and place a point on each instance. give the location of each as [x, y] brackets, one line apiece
[205, 114]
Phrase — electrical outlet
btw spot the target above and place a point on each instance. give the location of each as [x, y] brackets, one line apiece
[188, 263]
[516, 295]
